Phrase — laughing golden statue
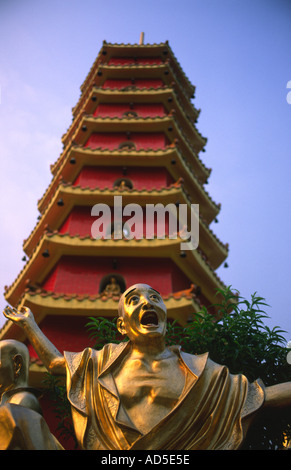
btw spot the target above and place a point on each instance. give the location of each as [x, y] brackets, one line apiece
[142, 395]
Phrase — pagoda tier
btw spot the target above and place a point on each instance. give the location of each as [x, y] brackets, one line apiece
[76, 199]
[133, 135]
[163, 101]
[136, 54]
[168, 157]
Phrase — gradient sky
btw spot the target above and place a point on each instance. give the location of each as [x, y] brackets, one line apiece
[236, 52]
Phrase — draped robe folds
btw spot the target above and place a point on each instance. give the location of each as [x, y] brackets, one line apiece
[211, 412]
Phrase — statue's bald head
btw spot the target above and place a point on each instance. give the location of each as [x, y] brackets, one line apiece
[16, 354]
[127, 292]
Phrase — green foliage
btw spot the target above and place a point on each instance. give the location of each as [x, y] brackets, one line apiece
[56, 392]
[102, 331]
[239, 339]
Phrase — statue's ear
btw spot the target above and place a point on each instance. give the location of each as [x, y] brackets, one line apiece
[17, 364]
[120, 325]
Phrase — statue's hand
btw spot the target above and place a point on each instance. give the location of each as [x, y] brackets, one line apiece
[23, 317]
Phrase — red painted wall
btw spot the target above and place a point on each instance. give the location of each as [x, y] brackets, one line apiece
[141, 178]
[80, 221]
[111, 141]
[82, 275]
[142, 110]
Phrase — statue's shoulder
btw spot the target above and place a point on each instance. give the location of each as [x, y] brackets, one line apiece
[196, 363]
[107, 353]
[201, 361]
[26, 398]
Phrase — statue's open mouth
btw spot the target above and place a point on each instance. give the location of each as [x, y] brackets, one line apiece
[149, 318]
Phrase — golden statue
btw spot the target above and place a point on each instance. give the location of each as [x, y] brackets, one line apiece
[143, 395]
[22, 426]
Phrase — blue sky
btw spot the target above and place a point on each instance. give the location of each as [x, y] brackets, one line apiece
[236, 53]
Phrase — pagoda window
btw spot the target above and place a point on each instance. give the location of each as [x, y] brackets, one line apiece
[128, 144]
[123, 183]
[130, 114]
[113, 284]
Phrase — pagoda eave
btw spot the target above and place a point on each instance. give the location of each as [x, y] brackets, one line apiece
[71, 196]
[89, 125]
[38, 267]
[186, 113]
[170, 157]
[163, 71]
[162, 51]
[147, 50]
[180, 306]
[82, 156]
[54, 215]
[166, 124]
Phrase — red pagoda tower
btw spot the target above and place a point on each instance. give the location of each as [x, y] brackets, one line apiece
[133, 135]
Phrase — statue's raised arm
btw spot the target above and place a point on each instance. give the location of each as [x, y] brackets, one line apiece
[46, 351]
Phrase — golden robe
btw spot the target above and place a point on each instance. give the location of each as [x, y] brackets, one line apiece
[211, 412]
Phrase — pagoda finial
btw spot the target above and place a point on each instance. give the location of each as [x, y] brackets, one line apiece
[141, 39]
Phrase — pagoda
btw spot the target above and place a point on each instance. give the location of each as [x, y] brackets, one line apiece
[133, 134]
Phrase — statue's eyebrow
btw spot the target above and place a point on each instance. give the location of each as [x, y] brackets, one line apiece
[156, 291]
[130, 292]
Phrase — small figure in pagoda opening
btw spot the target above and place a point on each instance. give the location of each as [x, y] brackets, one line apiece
[143, 395]
[123, 185]
[112, 288]
[22, 426]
